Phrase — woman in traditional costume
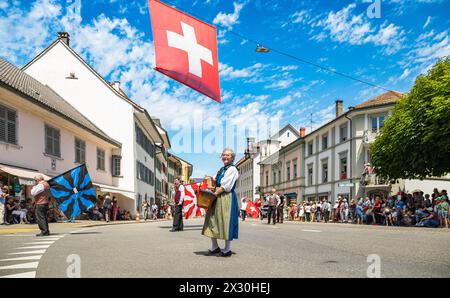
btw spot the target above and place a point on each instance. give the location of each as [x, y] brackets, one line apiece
[222, 217]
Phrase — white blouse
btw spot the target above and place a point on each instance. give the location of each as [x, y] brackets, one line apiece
[229, 178]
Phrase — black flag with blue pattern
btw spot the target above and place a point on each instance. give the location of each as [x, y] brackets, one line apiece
[73, 191]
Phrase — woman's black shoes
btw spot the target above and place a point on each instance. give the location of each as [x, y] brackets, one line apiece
[213, 252]
[226, 254]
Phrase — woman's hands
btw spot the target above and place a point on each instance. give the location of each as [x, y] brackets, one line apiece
[219, 191]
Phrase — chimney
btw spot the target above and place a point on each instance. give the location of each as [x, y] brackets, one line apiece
[64, 36]
[339, 107]
[116, 85]
[302, 132]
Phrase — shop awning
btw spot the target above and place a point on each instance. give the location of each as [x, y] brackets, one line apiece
[113, 189]
[26, 177]
[291, 195]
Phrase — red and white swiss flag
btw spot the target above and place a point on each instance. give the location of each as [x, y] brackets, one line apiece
[185, 49]
[252, 209]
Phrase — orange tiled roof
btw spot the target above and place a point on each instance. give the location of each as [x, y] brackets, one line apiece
[385, 98]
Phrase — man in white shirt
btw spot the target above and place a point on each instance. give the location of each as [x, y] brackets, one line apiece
[154, 211]
[178, 212]
[274, 202]
[243, 208]
[41, 194]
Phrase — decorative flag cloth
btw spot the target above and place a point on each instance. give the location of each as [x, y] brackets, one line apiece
[258, 203]
[185, 49]
[73, 191]
[252, 209]
[190, 207]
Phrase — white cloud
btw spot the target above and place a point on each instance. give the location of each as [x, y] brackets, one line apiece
[3, 4]
[228, 72]
[283, 101]
[26, 33]
[281, 84]
[344, 26]
[230, 19]
[427, 22]
[299, 16]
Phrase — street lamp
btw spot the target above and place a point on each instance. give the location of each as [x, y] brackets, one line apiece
[261, 49]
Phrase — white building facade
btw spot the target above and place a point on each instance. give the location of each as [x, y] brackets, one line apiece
[108, 107]
[250, 175]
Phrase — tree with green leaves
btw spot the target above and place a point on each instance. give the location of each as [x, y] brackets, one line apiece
[415, 140]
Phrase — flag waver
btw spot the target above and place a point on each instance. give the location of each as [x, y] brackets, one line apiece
[190, 207]
[73, 191]
[185, 49]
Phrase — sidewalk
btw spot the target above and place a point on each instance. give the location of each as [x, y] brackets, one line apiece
[26, 228]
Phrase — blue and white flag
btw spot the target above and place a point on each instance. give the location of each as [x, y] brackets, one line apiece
[73, 191]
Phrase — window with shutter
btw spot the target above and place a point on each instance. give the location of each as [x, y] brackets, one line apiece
[8, 127]
[52, 141]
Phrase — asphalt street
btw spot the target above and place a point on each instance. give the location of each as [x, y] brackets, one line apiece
[290, 249]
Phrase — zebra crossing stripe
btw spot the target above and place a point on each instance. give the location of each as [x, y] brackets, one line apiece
[40, 243]
[31, 274]
[29, 258]
[32, 265]
[31, 252]
[34, 247]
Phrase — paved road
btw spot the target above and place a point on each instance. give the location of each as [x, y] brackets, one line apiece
[284, 250]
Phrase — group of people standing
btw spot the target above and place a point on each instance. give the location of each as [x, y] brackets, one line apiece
[40, 206]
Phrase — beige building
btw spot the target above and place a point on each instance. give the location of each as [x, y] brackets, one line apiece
[40, 132]
[284, 171]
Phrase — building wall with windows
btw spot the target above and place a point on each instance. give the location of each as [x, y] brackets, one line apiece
[284, 172]
[244, 185]
[89, 93]
[145, 165]
[352, 135]
[40, 140]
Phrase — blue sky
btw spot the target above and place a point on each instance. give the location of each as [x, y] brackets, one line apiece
[115, 37]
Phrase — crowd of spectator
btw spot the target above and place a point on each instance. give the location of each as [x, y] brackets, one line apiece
[404, 209]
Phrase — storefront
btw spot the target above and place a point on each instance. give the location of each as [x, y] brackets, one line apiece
[291, 198]
[323, 197]
[19, 181]
[124, 197]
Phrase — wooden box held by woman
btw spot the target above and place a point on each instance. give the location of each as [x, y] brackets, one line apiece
[221, 221]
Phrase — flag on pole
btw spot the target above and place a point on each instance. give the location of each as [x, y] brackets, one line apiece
[185, 49]
[73, 191]
[252, 209]
[190, 207]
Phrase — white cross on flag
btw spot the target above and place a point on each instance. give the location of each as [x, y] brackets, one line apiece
[185, 49]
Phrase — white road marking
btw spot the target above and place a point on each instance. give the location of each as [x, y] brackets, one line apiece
[34, 247]
[19, 235]
[31, 252]
[32, 265]
[313, 231]
[31, 274]
[29, 258]
[38, 248]
[40, 243]
[46, 239]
